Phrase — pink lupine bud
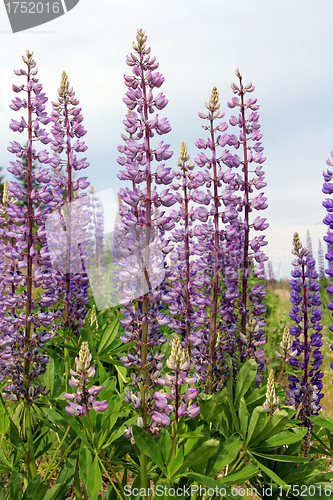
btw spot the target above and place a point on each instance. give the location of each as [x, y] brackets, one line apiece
[193, 410]
[191, 393]
[160, 418]
[100, 406]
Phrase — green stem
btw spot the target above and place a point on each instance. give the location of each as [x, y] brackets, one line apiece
[66, 354]
[282, 370]
[240, 458]
[120, 493]
[77, 489]
[31, 452]
[57, 451]
[59, 462]
[172, 449]
[85, 492]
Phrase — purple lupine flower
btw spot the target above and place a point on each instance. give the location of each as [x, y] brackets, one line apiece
[84, 400]
[328, 221]
[67, 130]
[173, 406]
[142, 262]
[212, 248]
[248, 122]
[22, 358]
[305, 392]
[184, 281]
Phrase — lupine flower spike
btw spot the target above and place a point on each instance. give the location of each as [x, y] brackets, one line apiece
[287, 350]
[142, 266]
[248, 140]
[85, 398]
[271, 404]
[305, 391]
[173, 406]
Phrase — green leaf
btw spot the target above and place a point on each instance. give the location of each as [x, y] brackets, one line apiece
[273, 426]
[52, 492]
[286, 437]
[245, 378]
[35, 489]
[257, 397]
[147, 445]
[108, 336]
[176, 461]
[242, 475]
[243, 417]
[85, 463]
[325, 422]
[66, 474]
[94, 480]
[102, 375]
[164, 444]
[206, 403]
[229, 384]
[282, 458]
[48, 377]
[306, 471]
[14, 435]
[257, 423]
[227, 454]
[271, 474]
[208, 482]
[201, 454]
[15, 485]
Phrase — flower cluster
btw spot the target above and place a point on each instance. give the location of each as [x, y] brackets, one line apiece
[24, 241]
[174, 405]
[67, 130]
[328, 238]
[271, 404]
[307, 330]
[12, 365]
[286, 346]
[186, 277]
[252, 255]
[142, 265]
[85, 398]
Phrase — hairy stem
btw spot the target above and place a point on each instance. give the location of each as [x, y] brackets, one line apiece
[212, 338]
[244, 316]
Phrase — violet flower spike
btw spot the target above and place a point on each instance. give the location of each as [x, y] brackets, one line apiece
[141, 262]
[22, 357]
[84, 400]
[305, 392]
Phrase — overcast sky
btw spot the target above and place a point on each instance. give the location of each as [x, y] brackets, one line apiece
[284, 48]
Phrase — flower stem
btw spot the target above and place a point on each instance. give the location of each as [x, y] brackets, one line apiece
[212, 337]
[77, 489]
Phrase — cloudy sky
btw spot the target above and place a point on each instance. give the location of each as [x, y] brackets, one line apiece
[284, 48]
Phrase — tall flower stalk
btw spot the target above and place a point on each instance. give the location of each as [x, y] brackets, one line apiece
[214, 162]
[22, 357]
[251, 335]
[67, 132]
[182, 280]
[141, 324]
[305, 390]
